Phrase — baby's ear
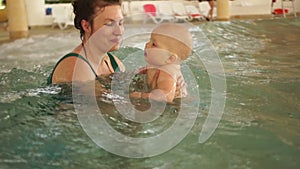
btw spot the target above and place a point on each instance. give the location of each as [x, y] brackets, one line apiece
[172, 58]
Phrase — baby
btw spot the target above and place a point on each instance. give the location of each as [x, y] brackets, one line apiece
[170, 44]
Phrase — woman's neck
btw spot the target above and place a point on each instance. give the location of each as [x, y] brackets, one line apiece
[92, 52]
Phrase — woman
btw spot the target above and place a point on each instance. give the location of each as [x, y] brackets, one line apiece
[101, 27]
[211, 10]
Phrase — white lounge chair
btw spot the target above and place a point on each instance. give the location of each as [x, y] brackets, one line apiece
[180, 12]
[194, 13]
[165, 12]
[283, 5]
[62, 16]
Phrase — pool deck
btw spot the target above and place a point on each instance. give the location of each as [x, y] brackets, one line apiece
[33, 31]
[49, 30]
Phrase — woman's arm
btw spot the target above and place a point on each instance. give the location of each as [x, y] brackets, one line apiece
[180, 88]
[164, 90]
[72, 69]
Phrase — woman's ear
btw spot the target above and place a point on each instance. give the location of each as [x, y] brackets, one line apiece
[86, 26]
[172, 58]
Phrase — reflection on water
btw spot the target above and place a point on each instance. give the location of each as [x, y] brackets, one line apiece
[259, 129]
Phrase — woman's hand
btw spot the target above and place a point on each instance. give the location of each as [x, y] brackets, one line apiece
[142, 70]
[135, 95]
[181, 87]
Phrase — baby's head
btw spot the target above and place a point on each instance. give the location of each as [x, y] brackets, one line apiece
[172, 37]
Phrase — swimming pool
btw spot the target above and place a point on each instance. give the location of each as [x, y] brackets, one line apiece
[259, 127]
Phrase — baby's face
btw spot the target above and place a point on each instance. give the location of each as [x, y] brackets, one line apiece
[157, 50]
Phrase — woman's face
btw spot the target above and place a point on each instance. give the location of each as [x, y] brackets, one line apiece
[107, 28]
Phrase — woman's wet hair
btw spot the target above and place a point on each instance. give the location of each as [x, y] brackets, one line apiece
[85, 10]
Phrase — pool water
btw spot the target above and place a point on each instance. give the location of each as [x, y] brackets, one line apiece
[259, 129]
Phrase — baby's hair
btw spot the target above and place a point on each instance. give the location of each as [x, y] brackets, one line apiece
[181, 36]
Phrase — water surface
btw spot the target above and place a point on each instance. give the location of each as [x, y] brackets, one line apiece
[259, 128]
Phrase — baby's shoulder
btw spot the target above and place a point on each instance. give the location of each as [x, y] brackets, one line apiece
[172, 70]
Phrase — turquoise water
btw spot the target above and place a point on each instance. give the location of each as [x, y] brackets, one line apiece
[259, 128]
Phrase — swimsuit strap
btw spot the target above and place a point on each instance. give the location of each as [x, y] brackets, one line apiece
[86, 61]
[49, 80]
[113, 62]
[155, 79]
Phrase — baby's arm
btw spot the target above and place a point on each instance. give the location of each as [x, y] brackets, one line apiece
[166, 87]
[164, 91]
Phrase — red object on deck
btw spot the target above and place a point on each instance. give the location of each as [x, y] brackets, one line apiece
[195, 15]
[279, 11]
[150, 8]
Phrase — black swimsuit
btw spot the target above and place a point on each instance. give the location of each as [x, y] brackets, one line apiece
[112, 60]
